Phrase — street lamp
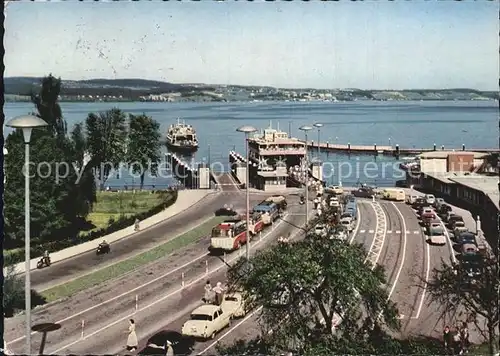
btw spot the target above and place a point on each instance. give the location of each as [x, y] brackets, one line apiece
[27, 123]
[318, 126]
[247, 130]
[306, 129]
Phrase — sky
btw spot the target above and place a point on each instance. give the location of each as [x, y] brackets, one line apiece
[367, 45]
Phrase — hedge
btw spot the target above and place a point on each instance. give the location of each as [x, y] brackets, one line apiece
[122, 223]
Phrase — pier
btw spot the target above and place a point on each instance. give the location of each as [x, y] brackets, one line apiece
[388, 150]
[189, 176]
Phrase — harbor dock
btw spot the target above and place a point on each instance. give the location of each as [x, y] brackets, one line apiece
[387, 150]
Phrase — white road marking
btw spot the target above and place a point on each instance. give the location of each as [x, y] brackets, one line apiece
[450, 243]
[230, 330]
[196, 280]
[390, 231]
[362, 231]
[416, 232]
[358, 224]
[404, 253]
[400, 316]
[371, 231]
[408, 231]
[398, 232]
[428, 270]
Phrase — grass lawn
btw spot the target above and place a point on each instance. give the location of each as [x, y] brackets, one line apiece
[114, 204]
[120, 268]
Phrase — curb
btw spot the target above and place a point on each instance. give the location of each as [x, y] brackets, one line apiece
[126, 236]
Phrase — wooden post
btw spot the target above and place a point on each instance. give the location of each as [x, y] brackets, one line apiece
[83, 326]
[206, 267]
[182, 283]
[136, 302]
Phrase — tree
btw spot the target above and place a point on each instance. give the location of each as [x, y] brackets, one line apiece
[305, 286]
[143, 150]
[56, 198]
[106, 134]
[455, 289]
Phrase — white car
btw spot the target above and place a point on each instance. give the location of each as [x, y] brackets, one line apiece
[234, 304]
[320, 230]
[206, 321]
[437, 239]
[411, 199]
[335, 189]
[430, 199]
[334, 203]
[347, 223]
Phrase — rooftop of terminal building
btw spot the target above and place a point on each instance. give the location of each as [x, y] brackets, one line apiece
[445, 154]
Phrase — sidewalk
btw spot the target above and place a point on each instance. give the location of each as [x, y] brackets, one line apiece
[185, 200]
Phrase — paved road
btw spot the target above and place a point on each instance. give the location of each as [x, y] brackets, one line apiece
[226, 182]
[407, 267]
[166, 287]
[63, 271]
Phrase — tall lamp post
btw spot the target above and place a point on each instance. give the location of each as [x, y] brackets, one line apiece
[306, 129]
[27, 123]
[319, 126]
[247, 130]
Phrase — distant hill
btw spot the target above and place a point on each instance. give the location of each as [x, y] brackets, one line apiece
[129, 88]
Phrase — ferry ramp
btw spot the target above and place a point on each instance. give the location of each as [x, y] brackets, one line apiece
[225, 182]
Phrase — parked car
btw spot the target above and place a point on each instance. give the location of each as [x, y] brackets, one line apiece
[363, 192]
[234, 305]
[425, 210]
[430, 199]
[206, 321]
[469, 249]
[443, 211]
[472, 265]
[434, 226]
[454, 218]
[466, 238]
[419, 202]
[437, 237]
[411, 199]
[347, 223]
[457, 224]
[428, 216]
[458, 230]
[320, 230]
[448, 216]
[438, 202]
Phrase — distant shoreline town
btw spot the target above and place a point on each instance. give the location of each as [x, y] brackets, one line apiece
[19, 89]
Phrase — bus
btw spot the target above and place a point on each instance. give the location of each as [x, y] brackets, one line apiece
[394, 194]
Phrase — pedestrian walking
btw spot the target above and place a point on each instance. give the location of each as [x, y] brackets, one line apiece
[447, 338]
[218, 293]
[208, 292]
[132, 336]
[464, 338]
[136, 225]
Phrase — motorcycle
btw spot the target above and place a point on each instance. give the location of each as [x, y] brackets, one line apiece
[302, 200]
[103, 248]
[44, 261]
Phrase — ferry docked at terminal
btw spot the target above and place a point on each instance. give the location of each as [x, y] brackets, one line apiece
[276, 162]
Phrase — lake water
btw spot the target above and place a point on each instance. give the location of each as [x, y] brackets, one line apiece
[409, 124]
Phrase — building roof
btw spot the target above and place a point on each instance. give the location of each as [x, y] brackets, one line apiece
[443, 177]
[272, 174]
[445, 154]
[486, 184]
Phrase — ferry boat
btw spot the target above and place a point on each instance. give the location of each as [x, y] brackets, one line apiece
[182, 138]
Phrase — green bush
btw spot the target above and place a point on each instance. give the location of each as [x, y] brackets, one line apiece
[123, 222]
[13, 294]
